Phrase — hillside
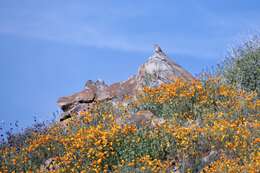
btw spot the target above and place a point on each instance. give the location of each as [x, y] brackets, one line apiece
[160, 120]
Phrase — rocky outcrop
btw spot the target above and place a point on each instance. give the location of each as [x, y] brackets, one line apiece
[160, 69]
[157, 70]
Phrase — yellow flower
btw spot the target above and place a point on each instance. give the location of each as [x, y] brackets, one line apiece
[99, 161]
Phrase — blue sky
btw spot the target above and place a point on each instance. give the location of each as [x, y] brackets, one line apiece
[50, 48]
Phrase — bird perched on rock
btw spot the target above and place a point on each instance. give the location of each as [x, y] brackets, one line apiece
[157, 48]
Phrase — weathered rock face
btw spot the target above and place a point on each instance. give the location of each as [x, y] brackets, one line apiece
[157, 70]
[160, 69]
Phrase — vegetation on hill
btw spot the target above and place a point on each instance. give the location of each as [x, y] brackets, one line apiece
[241, 67]
[209, 127]
[206, 125]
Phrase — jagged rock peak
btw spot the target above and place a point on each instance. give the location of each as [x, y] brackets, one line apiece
[160, 69]
[160, 57]
[158, 53]
[157, 48]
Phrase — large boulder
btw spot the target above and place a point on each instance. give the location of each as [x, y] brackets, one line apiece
[157, 70]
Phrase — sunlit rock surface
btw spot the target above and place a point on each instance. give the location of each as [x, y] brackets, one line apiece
[158, 69]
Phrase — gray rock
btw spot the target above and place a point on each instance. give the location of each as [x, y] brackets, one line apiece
[157, 70]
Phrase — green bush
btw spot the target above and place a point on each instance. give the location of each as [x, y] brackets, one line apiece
[241, 67]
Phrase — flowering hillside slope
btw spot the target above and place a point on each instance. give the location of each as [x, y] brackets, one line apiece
[205, 126]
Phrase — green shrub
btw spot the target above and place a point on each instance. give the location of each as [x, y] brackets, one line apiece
[241, 67]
